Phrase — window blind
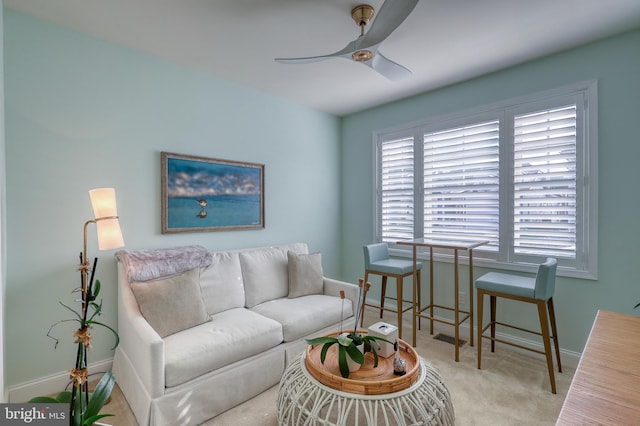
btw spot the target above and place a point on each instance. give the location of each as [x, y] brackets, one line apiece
[397, 183]
[461, 182]
[544, 208]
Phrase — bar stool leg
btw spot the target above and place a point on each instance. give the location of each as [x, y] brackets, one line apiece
[554, 330]
[492, 301]
[544, 325]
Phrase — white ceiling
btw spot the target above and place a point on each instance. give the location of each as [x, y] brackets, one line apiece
[442, 41]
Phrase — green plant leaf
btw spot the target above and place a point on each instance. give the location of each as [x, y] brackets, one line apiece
[323, 352]
[64, 396]
[72, 310]
[376, 339]
[321, 340]
[636, 306]
[96, 308]
[342, 361]
[375, 355]
[100, 395]
[115, 333]
[43, 400]
[77, 407]
[358, 339]
[355, 354]
[345, 340]
[96, 288]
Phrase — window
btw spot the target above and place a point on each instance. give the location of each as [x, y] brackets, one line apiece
[520, 174]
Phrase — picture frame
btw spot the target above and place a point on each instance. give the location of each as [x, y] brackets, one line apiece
[201, 194]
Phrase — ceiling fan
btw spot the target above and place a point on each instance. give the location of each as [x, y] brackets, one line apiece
[364, 49]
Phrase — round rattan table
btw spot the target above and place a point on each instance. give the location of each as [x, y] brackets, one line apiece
[303, 400]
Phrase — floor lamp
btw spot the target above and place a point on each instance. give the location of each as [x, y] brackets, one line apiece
[103, 201]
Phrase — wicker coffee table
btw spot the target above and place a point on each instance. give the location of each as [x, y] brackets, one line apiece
[303, 400]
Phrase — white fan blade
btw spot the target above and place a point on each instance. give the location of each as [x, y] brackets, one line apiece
[388, 68]
[392, 13]
[346, 53]
[306, 60]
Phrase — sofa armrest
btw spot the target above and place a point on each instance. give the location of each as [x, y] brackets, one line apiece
[333, 287]
[138, 340]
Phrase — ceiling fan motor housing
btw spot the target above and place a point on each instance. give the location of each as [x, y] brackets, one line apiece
[362, 14]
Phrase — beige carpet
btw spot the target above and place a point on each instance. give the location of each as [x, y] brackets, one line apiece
[511, 389]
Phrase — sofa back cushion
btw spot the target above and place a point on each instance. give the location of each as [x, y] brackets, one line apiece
[265, 272]
[221, 282]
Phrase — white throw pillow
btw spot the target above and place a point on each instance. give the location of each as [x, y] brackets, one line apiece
[264, 272]
[221, 283]
[305, 274]
[173, 303]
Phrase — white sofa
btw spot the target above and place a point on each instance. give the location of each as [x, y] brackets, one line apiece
[222, 341]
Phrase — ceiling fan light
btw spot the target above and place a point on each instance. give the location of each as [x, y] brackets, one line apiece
[362, 55]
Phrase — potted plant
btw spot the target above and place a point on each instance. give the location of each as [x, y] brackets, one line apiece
[349, 343]
[84, 406]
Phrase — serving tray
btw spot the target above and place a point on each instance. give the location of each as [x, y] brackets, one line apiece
[367, 380]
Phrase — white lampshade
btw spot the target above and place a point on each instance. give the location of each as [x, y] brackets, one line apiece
[109, 234]
[104, 205]
[103, 201]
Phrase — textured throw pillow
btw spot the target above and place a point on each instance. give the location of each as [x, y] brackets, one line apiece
[305, 274]
[173, 303]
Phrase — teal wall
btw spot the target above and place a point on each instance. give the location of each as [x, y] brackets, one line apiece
[615, 63]
[80, 114]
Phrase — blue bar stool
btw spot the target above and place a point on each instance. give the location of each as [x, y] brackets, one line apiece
[539, 291]
[377, 262]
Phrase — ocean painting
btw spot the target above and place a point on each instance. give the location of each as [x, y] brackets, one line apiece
[206, 194]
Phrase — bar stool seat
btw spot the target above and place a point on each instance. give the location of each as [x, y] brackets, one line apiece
[378, 262]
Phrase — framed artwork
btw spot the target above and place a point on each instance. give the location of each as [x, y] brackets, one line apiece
[208, 194]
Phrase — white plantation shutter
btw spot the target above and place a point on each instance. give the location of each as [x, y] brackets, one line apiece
[520, 173]
[544, 183]
[396, 189]
[461, 182]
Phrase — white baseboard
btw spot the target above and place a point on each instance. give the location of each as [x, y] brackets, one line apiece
[52, 384]
[568, 358]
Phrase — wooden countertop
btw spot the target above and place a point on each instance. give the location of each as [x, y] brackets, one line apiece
[605, 389]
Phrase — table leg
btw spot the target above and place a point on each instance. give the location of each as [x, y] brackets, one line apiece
[471, 298]
[431, 290]
[455, 303]
[415, 286]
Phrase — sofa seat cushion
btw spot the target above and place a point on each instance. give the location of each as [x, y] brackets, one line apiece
[304, 315]
[230, 336]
